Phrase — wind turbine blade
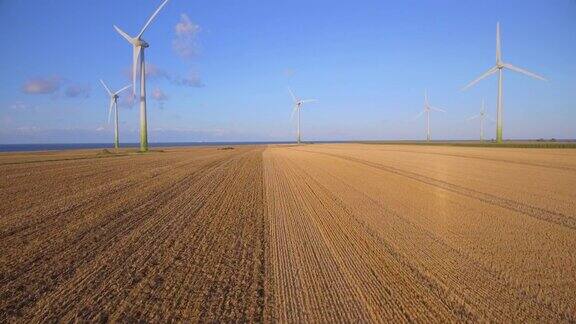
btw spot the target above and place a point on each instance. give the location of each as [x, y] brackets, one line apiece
[487, 73]
[425, 97]
[123, 34]
[152, 18]
[292, 94]
[418, 116]
[519, 70]
[309, 100]
[135, 65]
[293, 112]
[126, 87]
[498, 48]
[473, 117]
[110, 109]
[106, 87]
[437, 109]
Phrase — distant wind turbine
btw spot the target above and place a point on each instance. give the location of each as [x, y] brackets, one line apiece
[427, 109]
[298, 103]
[138, 46]
[481, 116]
[114, 105]
[500, 65]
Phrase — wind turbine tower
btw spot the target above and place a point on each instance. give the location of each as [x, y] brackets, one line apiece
[114, 105]
[427, 109]
[499, 67]
[138, 46]
[482, 116]
[298, 104]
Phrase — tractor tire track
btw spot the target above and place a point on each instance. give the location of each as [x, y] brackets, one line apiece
[525, 209]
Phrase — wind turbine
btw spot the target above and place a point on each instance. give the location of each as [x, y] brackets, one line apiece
[138, 46]
[298, 103]
[114, 105]
[482, 115]
[500, 65]
[427, 109]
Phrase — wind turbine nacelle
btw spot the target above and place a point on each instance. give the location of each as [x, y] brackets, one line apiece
[141, 43]
[115, 97]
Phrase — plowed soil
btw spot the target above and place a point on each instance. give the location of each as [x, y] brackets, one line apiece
[310, 233]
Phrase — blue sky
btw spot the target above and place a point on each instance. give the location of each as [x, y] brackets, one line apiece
[224, 77]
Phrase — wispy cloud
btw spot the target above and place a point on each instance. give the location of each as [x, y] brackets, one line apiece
[42, 85]
[192, 80]
[21, 106]
[6, 121]
[78, 91]
[127, 99]
[289, 72]
[159, 95]
[152, 72]
[184, 43]
[27, 129]
[102, 133]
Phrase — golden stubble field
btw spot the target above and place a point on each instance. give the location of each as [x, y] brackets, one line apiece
[310, 233]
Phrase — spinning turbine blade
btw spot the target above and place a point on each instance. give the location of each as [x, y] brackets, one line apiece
[498, 49]
[487, 73]
[519, 70]
[309, 100]
[110, 110]
[473, 117]
[293, 112]
[123, 34]
[420, 114]
[106, 87]
[292, 94]
[126, 87]
[152, 18]
[437, 109]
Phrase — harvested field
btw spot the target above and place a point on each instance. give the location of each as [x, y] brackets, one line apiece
[334, 232]
[176, 235]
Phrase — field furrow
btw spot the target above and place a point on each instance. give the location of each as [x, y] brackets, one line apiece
[467, 252]
[289, 233]
[181, 241]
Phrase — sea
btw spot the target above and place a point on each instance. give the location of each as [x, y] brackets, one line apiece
[59, 147]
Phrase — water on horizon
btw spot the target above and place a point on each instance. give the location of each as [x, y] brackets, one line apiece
[76, 146]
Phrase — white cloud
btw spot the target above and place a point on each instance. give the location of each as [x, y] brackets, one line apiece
[20, 106]
[159, 95]
[42, 85]
[127, 99]
[192, 80]
[78, 91]
[152, 72]
[184, 44]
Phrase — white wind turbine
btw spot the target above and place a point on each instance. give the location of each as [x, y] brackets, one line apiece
[114, 105]
[427, 109]
[298, 103]
[500, 65]
[138, 45]
[481, 116]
